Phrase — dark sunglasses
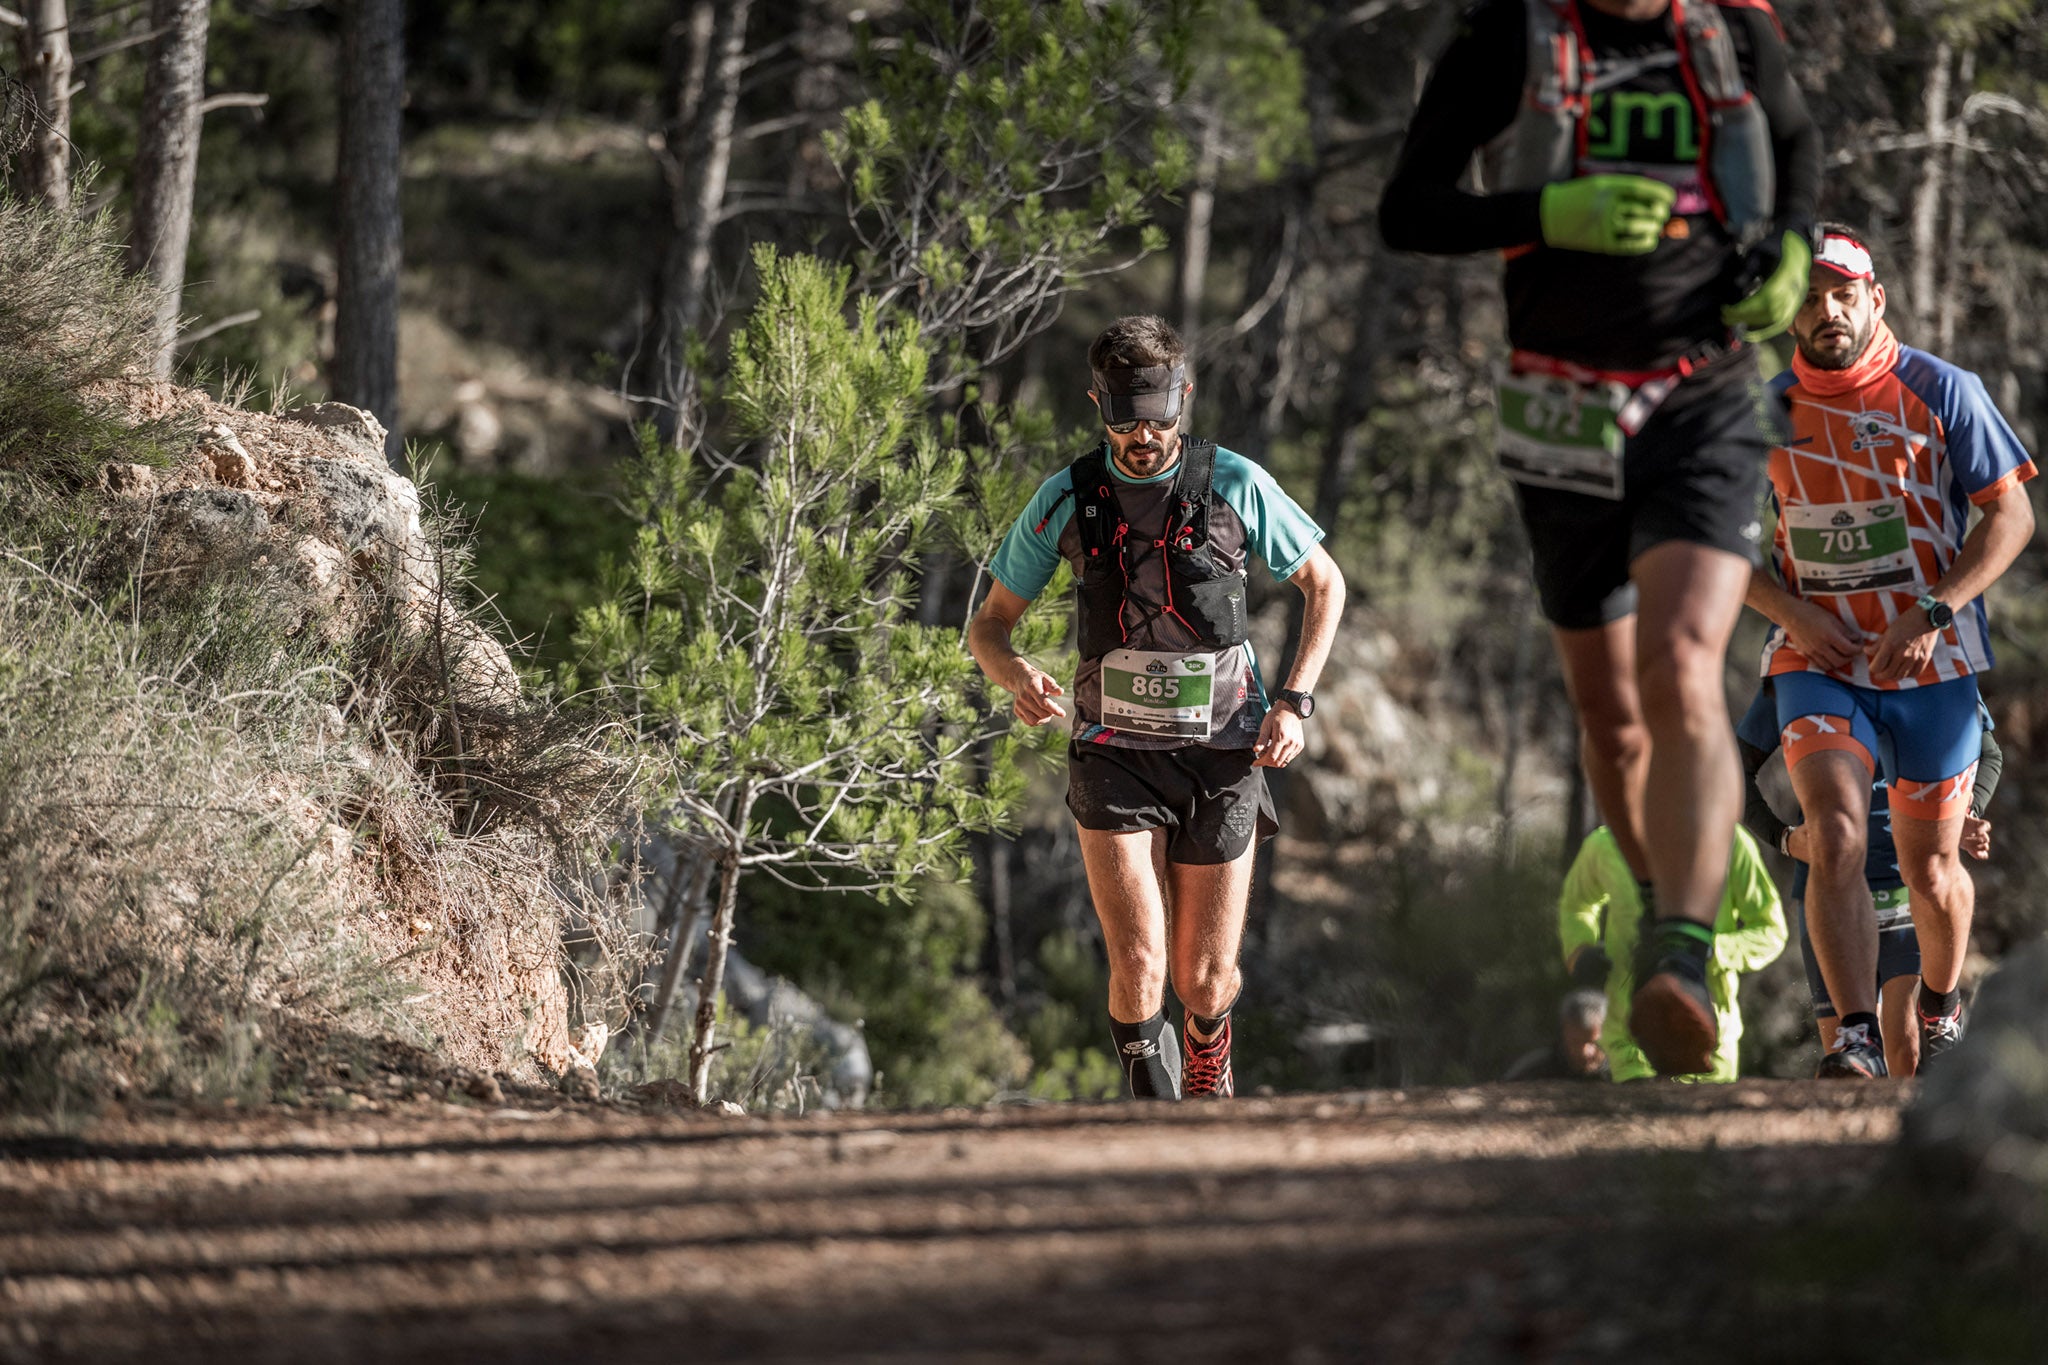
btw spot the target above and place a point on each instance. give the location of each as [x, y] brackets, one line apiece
[1126, 428]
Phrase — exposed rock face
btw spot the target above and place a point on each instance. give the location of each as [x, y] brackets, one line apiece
[309, 499]
[128, 480]
[197, 525]
[1981, 1117]
[232, 463]
[352, 430]
[1372, 762]
[480, 669]
[370, 512]
[846, 1071]
[770, 1002]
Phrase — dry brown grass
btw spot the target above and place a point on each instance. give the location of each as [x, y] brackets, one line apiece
[232, 809]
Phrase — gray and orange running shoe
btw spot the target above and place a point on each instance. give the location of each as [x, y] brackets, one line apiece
[1856, 1056]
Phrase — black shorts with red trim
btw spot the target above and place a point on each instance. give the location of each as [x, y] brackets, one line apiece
[1693, 473]
[1211, 802]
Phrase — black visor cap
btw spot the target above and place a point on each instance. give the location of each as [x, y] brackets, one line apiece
[1151, 394]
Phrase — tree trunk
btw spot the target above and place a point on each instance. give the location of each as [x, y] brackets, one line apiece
[682, 914]
[46, 69]
[702, 1041]
[369, 246]
[1359, 388]
[1194, 254]
[996, 857]
[1578, 812]
[822, 43]
[167, 162]
[1949, 309]
[1927, 194]
[696, 200]
[1277, 341]
[1517, 709]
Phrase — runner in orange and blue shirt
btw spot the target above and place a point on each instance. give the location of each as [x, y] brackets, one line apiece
[1881, 629]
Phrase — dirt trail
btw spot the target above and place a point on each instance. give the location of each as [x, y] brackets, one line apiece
[1527, 1223]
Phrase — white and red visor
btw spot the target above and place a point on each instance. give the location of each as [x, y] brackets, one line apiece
[1845, 256]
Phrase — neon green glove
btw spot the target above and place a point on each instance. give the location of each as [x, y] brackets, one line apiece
[1615, 215]
[1771, 308]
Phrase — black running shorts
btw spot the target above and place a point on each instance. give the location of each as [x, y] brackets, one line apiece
[1211, 802]
[1898, 954]
[1693, 473]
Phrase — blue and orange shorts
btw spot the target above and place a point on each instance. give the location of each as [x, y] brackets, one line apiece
[1929, 737]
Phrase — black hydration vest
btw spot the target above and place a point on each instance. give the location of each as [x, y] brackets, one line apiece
[1206, 597]
[1737, 166]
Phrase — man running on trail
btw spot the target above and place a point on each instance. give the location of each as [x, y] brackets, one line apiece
[1650, 172]
[1173, 719]
[1881, 631]
[1898, 947]
[1599, 921]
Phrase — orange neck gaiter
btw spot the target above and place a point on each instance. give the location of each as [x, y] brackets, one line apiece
[1876, 361]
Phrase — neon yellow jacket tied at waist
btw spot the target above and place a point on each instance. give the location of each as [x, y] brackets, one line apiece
[1600, 904]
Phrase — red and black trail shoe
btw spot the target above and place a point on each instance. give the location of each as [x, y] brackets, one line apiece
[1939, 1033]
[1206, 1066]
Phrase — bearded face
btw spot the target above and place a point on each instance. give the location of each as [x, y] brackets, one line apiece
[1834, 326]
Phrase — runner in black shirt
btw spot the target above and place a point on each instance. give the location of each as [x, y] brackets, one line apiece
[1650, 172]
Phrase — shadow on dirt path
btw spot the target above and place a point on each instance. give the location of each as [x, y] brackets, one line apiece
[1526, 1224]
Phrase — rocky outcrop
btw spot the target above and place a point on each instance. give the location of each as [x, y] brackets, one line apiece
[308, 499]
[357, 432]
[195, 526]
[845, 1071]
[1371, 763]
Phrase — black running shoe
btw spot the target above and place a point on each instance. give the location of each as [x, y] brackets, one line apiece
[1856, 1056]
[1672, 1020]
[1206, 1066]
[1939, 1034]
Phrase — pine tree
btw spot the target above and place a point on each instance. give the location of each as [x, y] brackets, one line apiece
[765, 634]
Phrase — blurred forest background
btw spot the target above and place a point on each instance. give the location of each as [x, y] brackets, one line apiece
[586, 188]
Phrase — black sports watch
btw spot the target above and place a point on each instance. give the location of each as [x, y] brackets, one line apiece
[1301, 703]
[1939, 613]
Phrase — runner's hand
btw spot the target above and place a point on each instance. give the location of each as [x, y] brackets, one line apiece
[1769, 310]
[1797, 844]
[1823, 637]
[1279, 739]
[1977, 837]
[1035, 692]
[1614, 215]
[1904, 648]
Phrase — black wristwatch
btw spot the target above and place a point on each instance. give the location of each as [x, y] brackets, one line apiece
[1301, 703]
[1939, 613]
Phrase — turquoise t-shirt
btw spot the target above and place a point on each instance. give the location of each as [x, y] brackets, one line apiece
[1276, 529]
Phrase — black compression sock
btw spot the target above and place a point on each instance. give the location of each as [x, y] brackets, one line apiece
[1869, 1021]
[1211, 1025]
[1938, 1004]
[1149, 1052]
